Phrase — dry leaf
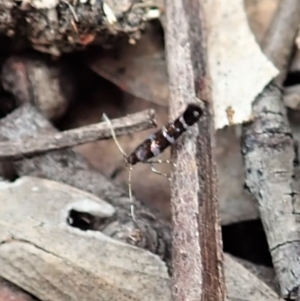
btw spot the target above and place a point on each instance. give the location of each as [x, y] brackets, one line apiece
[239, 69]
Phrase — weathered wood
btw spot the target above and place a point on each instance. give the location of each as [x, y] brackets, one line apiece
[266, 274]
[53, 261]
[243, 285]
[53, 141]
[271, 157]
[197, 248]
[271, 163]
[44, 255]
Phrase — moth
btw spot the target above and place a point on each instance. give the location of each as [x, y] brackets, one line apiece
[156, 143]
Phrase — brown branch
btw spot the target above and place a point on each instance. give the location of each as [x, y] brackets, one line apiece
[271, 159]
[197, 248]
[43, 143]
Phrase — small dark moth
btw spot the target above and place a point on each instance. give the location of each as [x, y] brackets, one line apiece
[167, 135]
[158, 142]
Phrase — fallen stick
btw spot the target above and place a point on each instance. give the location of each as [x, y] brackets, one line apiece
[271, 158]
[44, 143]
[197, 248]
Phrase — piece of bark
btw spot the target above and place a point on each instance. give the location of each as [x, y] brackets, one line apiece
[43, 254]
[69, 167]
[243, 285]
[197, 257]
[266, 274]
[270, 162]
[39, 144]
[271, 157]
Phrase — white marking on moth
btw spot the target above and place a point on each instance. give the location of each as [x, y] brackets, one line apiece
[181, 119]
[141, 154]
[167, 136]
[196, 114]
[154, 147]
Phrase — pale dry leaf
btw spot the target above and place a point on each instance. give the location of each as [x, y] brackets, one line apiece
[239, 69]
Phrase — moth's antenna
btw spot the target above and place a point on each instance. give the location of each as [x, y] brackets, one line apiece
[113, 134]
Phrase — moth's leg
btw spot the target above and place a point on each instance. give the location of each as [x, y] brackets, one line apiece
[160, 161]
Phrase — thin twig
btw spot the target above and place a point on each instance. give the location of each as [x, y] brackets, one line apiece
[197, 248]
[48, 142]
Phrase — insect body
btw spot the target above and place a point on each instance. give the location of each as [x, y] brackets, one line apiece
[158, 142]
[167, 135]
